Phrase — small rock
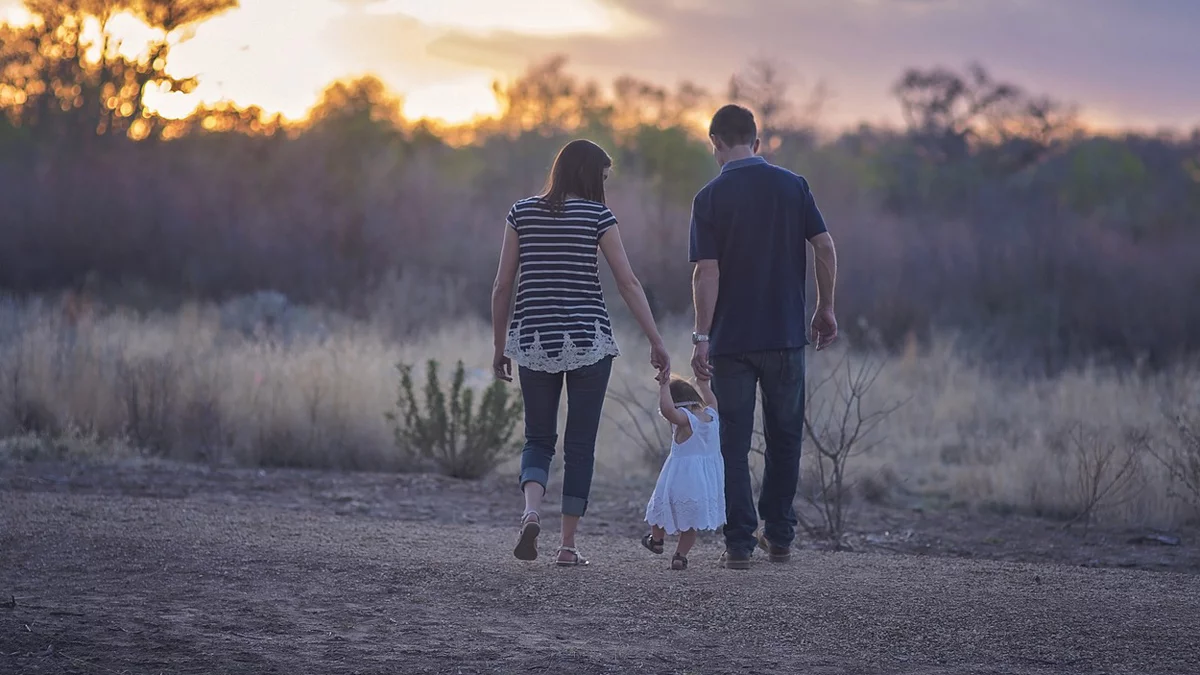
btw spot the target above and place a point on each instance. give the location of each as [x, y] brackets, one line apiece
[1157, 539]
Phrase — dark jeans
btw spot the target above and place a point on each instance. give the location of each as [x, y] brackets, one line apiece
[586, 388]
[780, 375]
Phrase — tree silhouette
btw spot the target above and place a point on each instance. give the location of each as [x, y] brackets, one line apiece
[56, 81]
[764, 88]
[548, 100]
[951, 114]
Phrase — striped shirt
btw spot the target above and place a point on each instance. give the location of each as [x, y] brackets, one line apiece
[560, 321]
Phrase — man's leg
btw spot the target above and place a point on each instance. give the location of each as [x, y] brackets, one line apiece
[782, 384]
[734, 382]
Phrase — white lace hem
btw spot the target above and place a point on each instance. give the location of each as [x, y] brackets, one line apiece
[680, 515]
[570, 357]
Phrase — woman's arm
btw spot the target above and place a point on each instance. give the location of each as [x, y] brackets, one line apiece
[706, 392]
[502, 289]
[627, 282]
[666, 405]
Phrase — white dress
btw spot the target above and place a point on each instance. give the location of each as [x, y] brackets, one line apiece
[690, 493]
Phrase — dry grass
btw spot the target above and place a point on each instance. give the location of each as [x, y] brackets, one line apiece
[313, 391]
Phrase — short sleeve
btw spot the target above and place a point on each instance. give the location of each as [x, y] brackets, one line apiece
[512, 217]
[604, 221]
[814, 222]
[693, 422]
[703, 242]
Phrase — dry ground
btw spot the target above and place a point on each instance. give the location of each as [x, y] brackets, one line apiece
[149, 568]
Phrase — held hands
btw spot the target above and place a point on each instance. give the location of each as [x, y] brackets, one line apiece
[824, 327]
[663, 378]
[660, 359]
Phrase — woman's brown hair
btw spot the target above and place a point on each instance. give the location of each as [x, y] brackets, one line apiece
[578, 171]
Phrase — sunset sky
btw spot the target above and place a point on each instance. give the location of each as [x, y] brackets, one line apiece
[1125, 62]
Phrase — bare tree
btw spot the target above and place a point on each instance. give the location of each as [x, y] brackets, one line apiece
[57, 78]
[762, 87]
[1104, 471]
[765, 88]
[953, 113]
[840, 427]
[1181, 460]
[641, 423]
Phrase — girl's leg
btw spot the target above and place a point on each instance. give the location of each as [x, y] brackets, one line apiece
[686, 541]
[653, 542]
[586, 389]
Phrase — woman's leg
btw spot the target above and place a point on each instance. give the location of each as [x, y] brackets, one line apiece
[541, 393]
[586, 389]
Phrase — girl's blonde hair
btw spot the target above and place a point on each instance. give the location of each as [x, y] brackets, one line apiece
[683, 392]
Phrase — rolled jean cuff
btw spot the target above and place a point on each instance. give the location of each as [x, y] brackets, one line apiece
[534, 474]
[573, 506]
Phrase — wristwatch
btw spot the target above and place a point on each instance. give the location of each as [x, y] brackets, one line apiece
[697, 338]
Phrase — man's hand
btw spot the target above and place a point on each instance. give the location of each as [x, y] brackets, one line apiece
[824, 327]
[700, 365]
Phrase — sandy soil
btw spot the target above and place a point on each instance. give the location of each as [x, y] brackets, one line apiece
[159, 568]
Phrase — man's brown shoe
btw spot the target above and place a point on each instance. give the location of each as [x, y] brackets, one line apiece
[775, 554]
[735, 561]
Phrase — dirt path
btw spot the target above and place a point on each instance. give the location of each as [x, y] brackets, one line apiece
[239, 579]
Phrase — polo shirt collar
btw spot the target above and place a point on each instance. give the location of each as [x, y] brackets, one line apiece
[739, 163]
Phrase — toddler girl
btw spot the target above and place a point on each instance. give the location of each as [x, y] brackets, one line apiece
[690, 493]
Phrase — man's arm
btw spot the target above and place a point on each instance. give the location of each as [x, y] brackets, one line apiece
[825, 262]
[705, 279]
[705, 282]
[824, 322]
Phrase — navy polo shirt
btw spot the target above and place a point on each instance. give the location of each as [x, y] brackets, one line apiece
[755, 220]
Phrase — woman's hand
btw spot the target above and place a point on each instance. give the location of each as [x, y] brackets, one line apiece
[660, 359]
[502, 366]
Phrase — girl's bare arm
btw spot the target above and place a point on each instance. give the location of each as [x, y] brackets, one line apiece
[706, 393]
[667, 406]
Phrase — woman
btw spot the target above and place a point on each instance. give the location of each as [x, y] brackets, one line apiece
[560, 330]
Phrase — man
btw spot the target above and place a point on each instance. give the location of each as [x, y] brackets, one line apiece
[750, 227]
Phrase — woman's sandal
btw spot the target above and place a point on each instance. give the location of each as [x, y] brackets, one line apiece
[653, 545]
[579, 560]
[531, 526]
[679, 562]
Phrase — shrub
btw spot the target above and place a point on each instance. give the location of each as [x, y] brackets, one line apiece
[461, 440]
[1182, 462]
[839, 426]
[1106, 470]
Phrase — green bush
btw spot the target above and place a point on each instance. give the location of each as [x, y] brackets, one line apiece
[463, 440]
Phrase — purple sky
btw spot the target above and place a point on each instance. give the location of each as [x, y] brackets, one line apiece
[1124, 62]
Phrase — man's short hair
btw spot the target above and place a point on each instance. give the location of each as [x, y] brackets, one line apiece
[734, 125]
